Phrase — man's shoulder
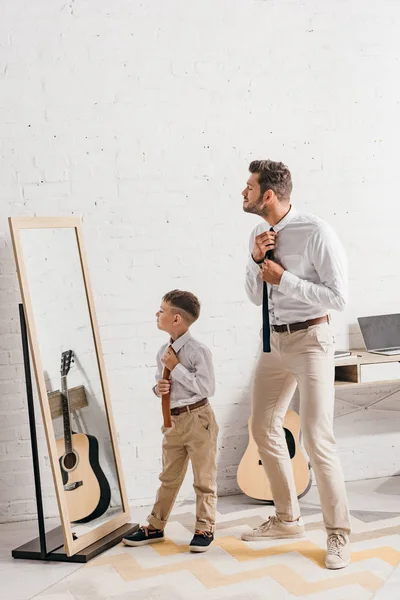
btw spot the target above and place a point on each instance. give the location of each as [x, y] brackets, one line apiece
[315, 223]
[307, 217]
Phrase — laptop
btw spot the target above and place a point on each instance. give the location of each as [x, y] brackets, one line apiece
[381, 333]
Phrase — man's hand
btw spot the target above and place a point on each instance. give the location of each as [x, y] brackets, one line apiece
[169, 359]
[262, 243]
[163, 387]
[271, 272]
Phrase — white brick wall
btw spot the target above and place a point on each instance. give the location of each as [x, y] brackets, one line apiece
[142, 118]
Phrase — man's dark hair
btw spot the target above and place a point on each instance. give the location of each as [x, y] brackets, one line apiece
[273, 176]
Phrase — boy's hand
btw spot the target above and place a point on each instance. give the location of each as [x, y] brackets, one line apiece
[169, 359]
[163, 387]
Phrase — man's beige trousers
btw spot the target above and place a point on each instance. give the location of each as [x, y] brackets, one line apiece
[304, 358]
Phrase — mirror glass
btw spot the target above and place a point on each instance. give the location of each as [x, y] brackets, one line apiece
[71, 371]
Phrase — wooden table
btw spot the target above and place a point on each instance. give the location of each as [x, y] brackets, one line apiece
[349, 371]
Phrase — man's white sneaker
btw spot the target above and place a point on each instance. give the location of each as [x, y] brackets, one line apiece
[275, 529]
[339, 551]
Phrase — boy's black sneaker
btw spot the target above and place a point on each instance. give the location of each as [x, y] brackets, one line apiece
[201, 541]
[144, 536]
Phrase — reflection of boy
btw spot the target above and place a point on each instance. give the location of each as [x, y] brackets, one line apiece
[194, 431]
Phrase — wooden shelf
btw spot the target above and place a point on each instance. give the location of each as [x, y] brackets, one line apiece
[347, 385]
[348, 370]
[346, 373]
[77, 399]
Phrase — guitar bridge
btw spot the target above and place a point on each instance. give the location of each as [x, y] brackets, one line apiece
[69, 487]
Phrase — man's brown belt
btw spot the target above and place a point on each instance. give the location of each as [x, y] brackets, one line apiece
[297, 326]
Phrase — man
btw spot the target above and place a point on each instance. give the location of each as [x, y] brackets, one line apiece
[305, 277]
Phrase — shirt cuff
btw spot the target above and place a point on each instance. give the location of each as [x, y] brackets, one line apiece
[154, 388]
[288, 283]
[253, 266]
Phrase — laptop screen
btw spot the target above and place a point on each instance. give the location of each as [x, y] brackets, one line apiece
[380, 331]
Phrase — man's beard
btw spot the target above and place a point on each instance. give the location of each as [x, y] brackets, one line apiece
[257, 208]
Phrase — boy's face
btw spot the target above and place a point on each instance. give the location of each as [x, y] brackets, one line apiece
[166, 317]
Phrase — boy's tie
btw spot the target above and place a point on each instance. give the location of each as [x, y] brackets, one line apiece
[166, 398]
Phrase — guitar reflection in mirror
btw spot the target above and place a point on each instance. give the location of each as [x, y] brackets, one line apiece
[87, 491]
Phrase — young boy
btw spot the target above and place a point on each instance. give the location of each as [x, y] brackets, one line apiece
[194, 431]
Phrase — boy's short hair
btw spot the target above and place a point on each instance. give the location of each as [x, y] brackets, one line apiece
[187, 304]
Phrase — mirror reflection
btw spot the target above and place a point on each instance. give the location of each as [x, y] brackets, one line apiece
[74, 390]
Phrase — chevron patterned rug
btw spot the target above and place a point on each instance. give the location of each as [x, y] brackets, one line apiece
[236, 570]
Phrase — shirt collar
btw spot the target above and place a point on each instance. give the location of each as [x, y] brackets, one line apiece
[181, 341]
[286, 219]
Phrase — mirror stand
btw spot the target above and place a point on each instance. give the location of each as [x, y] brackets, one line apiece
[50, 546]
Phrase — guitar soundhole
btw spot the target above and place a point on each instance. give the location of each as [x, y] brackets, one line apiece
[291, 444]
[70, 461]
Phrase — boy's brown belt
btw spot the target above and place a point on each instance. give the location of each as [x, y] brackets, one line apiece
[181, 409]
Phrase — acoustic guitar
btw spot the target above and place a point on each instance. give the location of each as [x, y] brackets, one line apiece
[251, 476]
[87, 491]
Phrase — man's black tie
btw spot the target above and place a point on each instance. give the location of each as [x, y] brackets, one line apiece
[265, 312]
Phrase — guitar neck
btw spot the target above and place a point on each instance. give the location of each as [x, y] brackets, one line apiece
[66, 415]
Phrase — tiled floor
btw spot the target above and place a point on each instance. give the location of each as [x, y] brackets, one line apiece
[231, 569]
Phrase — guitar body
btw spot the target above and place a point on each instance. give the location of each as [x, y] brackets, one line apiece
[251, 476]
[87, 491]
